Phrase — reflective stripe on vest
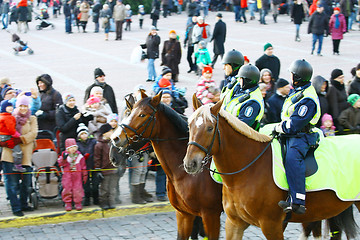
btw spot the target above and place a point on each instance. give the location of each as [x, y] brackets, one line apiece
[289, 106]
[234, 106]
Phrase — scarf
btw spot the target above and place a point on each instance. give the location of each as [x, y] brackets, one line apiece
[102, 85]
[337, 21]
[21, 119]
[204, 35]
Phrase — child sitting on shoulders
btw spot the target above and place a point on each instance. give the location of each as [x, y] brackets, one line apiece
[100, 113]
[73, 165]
[9, 137]
[327, 125]
[206, 86]
[141, 15]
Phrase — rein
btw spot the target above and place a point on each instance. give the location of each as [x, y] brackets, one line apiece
[139, 137]
[208, 150]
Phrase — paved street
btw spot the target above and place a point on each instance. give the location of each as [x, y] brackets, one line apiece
[71, 60]
[155, 226]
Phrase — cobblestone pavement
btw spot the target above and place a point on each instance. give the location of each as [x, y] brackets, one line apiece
[155, 226]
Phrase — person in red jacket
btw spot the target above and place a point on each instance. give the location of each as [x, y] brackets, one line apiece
[73, 165]
[9, 137]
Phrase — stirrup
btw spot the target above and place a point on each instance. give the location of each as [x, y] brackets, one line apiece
[285, 205]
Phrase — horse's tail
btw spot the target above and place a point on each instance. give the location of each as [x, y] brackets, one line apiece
[343, 222]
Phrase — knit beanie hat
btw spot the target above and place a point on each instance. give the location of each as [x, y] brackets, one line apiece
[92, 100]
[5, 90]
[281, 83]
[337, 9]
[81, 129]
[246, 59]
[23, 100]
[352, 99]
[96, 89]
[70, 142]
[166, 92]
[326, 117]
[165, 70]
[98, 72]
[267, 45]
[264, 70]
[105, 128]
[163, 83]
[207, 69]
[68, 97]
[172, 31]
[4, 104]
[336, 73]
[112, 116]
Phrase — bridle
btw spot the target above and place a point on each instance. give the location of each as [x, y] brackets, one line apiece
[208, 150]
[146, 124]
[209, 155]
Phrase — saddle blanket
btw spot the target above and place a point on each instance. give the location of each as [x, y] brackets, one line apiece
[338, 160]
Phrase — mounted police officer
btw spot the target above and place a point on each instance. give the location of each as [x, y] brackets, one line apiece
[244, 100]
[232, 61]
[300, 112]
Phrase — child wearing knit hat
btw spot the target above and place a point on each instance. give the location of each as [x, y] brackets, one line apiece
[73, 166]
[350, 117]
[206, 86]
[94, 107]
[327, 125]
[9, 137]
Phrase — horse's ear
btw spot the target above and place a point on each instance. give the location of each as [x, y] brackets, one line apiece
[143, 94]
[196, 102]
[129, 104]
[156, 99]
[216, 108]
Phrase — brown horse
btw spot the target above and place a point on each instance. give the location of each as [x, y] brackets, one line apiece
[190, 195]
[250, 196]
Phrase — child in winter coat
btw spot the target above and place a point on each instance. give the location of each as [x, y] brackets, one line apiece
[202, 57]
[205, 86]
[327, 126]
[86, 144]
[141, 15]
[128, 17]
[350, 117]
[98, 92]
[100, 113]
[105, 170]
[73, 166]
[9, 137]
[113, 120]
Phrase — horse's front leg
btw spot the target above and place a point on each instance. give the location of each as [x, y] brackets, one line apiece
[185, 224]
[235, 232]
[211, 224]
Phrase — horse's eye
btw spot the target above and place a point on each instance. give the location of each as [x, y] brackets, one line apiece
[142, 115]
[210, 128]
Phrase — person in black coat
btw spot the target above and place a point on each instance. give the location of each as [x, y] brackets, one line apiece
[68, 119]
[298, 15]
[67, 13]
[318, 26]
[270, 61]
[275, 103]
[50, 100]
[321, 86]
[355, 84]
[96, 14]
[152, 50]
[336, 96]
[155, 12]
[171, 55]
[22, 9]
[190, 45]
[218, 36]
[108, 92]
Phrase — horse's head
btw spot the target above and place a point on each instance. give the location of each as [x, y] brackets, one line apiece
[139, 125]
[204, 137]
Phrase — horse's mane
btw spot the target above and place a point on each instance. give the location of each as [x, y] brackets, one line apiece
[175, 118]
[236, 124]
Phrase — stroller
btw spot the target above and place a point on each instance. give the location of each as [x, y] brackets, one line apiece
[43, 22]
[47, 183]
[21, 45]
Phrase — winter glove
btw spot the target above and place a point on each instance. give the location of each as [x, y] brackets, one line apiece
[86, 156]
[16, 135]
[64, 156]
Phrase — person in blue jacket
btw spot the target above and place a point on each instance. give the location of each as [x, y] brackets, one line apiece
[301, 111]
[245, 100]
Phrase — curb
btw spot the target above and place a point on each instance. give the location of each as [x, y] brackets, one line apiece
[85, 214]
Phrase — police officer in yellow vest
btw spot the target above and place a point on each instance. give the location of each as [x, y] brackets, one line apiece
[232, 61]
[244, 100]
[300, 112]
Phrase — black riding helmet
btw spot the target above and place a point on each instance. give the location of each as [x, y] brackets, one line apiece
[250, 75]
[302, 72]
[234, 58]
